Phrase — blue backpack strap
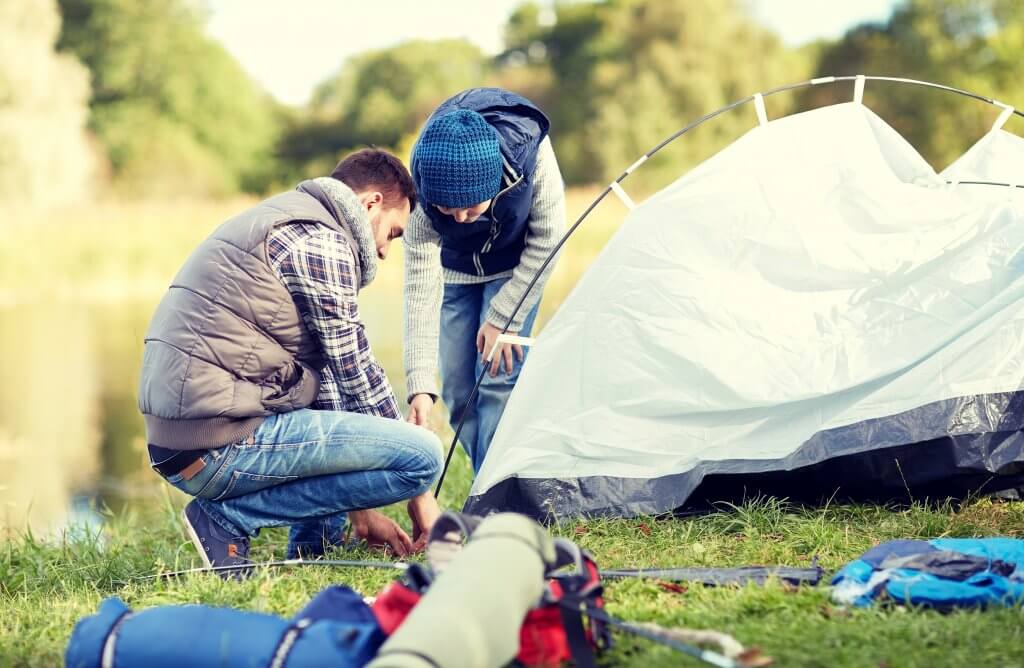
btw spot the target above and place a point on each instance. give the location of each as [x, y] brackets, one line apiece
[287, 642]
[110, 642]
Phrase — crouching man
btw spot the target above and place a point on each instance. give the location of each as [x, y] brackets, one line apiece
[260, 395]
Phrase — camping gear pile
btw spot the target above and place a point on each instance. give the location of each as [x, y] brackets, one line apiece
[511, 593]
[514, 593]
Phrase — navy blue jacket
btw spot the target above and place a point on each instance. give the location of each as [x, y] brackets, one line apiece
[496, 240]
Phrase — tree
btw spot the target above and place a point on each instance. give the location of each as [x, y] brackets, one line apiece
[381, 98]
[969, 44]
[174, 111]
[45, 156]
[627, 74]
[576, 44]
[615, 77]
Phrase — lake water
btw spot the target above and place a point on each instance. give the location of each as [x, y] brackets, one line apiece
[71, 437]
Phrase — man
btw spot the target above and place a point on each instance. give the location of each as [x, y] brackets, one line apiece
[492, 207]
[260, 394]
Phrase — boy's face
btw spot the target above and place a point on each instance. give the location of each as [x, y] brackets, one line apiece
[388, 223]
[466, 214]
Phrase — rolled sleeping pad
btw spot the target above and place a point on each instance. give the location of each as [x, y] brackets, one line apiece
[336, 628]
[471, 615]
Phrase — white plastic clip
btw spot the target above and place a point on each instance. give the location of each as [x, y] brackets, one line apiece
[858, 89]
[1003, 117]
[636, 164]
[626, 199]
[509, 338]
[762, 113]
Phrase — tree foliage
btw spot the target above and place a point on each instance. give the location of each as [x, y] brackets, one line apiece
[173, 109]
[381, 97]
[614, 76]
[45, 156]
[655, 67]
[970, 44]
[174, 112]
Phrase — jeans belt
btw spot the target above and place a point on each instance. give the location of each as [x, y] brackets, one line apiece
[176, 463]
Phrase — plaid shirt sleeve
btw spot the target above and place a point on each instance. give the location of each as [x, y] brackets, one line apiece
[316, 265]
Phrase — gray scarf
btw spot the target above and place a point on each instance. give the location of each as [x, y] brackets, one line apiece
[351, 213]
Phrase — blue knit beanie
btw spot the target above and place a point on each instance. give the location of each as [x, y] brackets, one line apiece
[458, 160]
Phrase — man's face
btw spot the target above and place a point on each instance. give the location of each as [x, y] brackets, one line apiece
[466, 214]
[388, 223]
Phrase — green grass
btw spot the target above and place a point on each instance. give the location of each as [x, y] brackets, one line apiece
[46, 586]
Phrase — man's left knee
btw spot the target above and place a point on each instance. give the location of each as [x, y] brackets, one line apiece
[429, 456]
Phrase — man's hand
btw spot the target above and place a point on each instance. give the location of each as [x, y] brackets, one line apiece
[485, 339]
[380, 531]
[419, 410]
[423, 511]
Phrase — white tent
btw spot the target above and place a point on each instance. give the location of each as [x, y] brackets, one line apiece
[812, 310]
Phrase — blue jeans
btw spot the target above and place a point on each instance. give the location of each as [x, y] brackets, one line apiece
[308, 468]
[462, 314]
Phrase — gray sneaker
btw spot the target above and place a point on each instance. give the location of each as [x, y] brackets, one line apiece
[217, 549]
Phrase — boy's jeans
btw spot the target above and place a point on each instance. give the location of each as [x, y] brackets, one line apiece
[307, 468]
[462, 314]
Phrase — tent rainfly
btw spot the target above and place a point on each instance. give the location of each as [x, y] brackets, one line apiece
[811, 313]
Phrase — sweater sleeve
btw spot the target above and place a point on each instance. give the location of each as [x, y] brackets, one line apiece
[424, 289]
[546, 226]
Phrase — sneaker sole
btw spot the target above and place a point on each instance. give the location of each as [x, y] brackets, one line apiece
[195, 540]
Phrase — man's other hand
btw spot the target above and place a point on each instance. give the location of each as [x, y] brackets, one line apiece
[380, 531]
[419, 410]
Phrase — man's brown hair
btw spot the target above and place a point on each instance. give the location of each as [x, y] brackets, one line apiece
[374, 169]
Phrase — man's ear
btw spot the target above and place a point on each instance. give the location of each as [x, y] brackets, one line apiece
[371, 199]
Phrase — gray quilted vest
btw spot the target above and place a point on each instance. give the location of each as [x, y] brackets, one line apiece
[226, 347]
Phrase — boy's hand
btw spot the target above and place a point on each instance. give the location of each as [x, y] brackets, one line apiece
[502, 358]
[380, 531]
[419, 410]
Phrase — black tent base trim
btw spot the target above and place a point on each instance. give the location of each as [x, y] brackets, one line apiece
[841, 469]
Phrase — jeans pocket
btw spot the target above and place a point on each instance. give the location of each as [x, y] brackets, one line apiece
[242, 483]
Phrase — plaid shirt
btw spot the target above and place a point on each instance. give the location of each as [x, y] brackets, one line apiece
[316, 265]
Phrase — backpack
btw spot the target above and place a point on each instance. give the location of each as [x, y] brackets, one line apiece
[557, 630]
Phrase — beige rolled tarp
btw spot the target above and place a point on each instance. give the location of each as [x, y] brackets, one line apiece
[472, 614]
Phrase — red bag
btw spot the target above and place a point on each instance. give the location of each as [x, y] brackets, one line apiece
[552, 633]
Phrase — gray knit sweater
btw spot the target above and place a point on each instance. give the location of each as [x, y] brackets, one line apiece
[425, 277]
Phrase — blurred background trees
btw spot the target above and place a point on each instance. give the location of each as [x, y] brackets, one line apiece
[975, 45]
[45, 153]
[379, 98]
[627, 74]
[171, 112]
[172, 109]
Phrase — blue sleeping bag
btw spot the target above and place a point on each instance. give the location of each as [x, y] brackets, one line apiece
[336, 628]
[943, 573]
